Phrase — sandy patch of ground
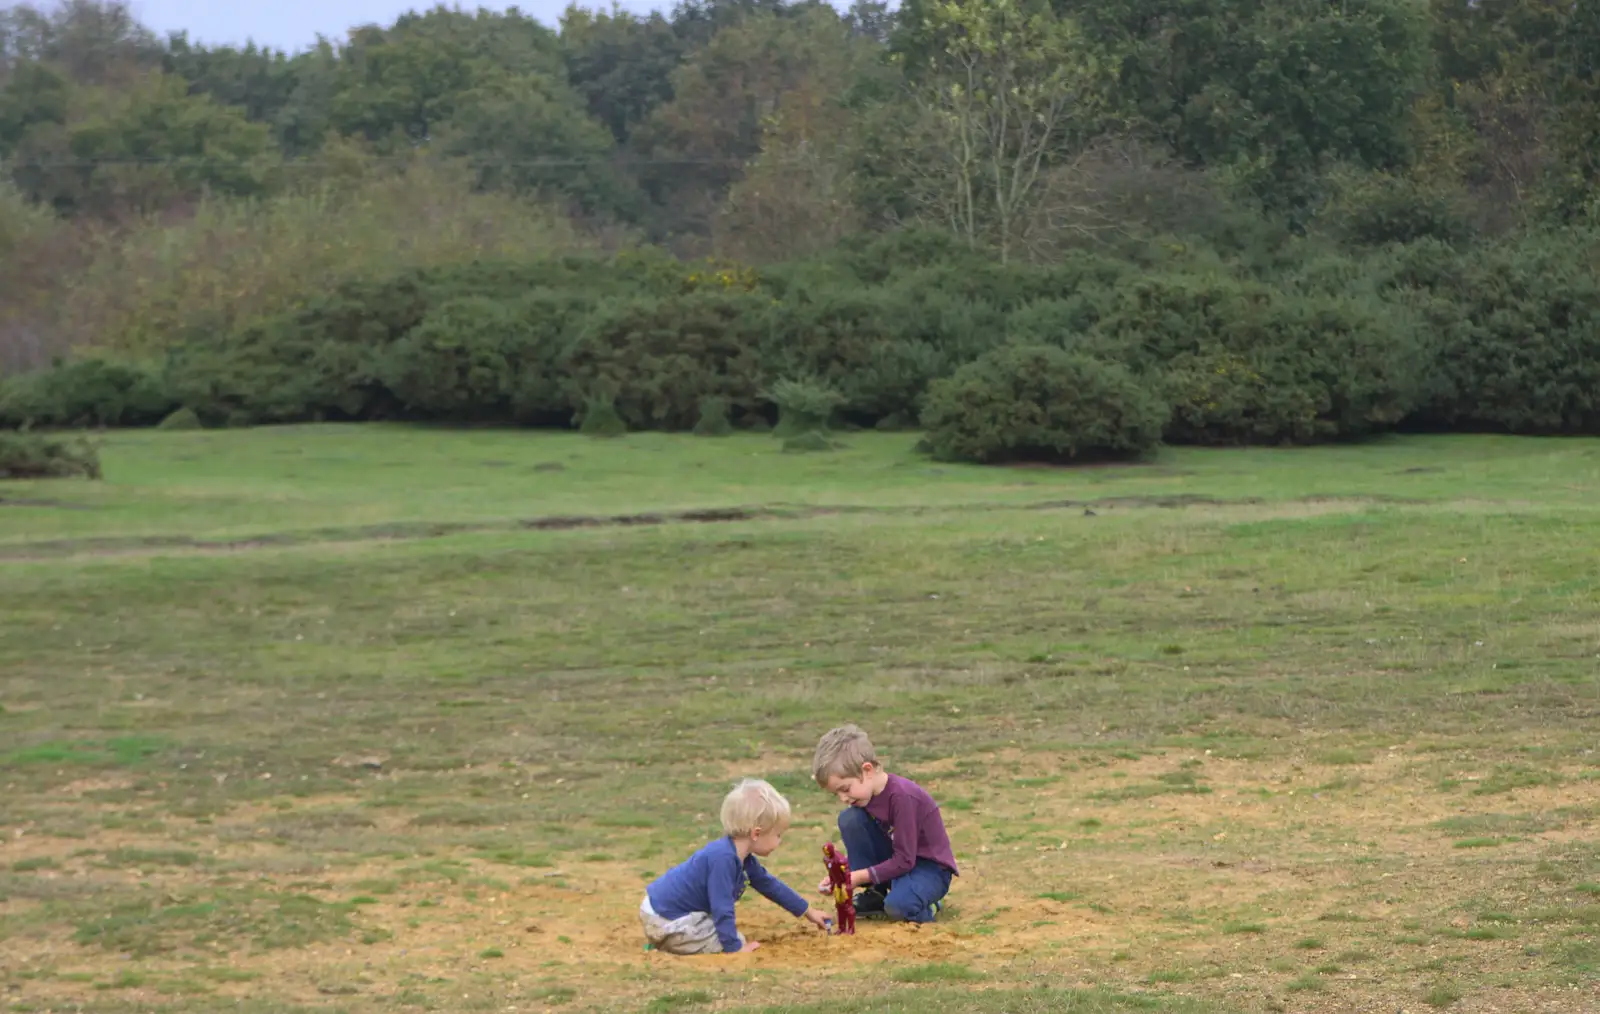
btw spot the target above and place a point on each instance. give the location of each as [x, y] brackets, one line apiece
[1267, 886]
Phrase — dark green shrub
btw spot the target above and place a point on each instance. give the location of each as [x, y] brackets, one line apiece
[271, 373]
[549, 326]
[483, 359]
[754, 422]
[1376, 209]
[1244, 363]
[335, 358]
[804, 406]
[1297, 341]
[1060, 322]
[589, 277]
[713, 421]
[1517, 328]
[459, 362]
[873, 257]
[37, 456]
[663, 355]
[890, 378]
[317, 362]
[600, 419]
[1425, 264]
[878, 347]
[1037, 402]
[182, 419]
[881, 346]
[85, 392]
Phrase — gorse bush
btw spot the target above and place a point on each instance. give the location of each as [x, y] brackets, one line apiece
[1038, 402]
[485, 341]
[477, 357]
[663, 356]
[1376, 209]
[1516, 333]
[1344, 345]
[714, 418]
[1244, 363]
[37, 456]
[805, 405]
[89, 392]
[462, 359]
[601, 419]
[182, 419]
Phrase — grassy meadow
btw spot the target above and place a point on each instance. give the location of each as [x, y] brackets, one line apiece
[393, 719]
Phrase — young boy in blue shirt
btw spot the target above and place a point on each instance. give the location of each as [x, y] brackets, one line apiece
[899, 851]
[689, 909]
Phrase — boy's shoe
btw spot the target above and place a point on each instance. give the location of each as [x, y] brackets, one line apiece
[934, 910]
[870, 901]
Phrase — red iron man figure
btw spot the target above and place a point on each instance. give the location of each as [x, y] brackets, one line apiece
[843, 891]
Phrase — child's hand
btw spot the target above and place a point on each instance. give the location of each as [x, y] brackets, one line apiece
[824, 886]
[749, 946]
[816, 919]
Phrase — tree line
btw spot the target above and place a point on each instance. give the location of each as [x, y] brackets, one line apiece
[1362, 214]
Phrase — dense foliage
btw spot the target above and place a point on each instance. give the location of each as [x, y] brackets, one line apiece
[37, 456]
[1212, 221]
[1504, 338]
[1040, 402]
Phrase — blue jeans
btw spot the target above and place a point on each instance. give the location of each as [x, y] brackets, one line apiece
[911, 895]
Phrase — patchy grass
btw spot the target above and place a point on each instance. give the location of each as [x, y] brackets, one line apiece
[36, 863]
[995, 1001]
[679, 1001]
[219, 920]
[1235, 928]
[295, 483]
[943, 972]
[1305, 984]
[1491, 825]
[1511, 777]
[1442, 995]
[401, 747]
[150, 857]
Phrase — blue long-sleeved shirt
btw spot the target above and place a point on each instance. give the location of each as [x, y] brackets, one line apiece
[713, 879]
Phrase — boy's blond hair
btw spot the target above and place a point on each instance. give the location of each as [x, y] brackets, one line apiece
[842, 753]
[753, 804]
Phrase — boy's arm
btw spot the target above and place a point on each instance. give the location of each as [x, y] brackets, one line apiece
[775, 890]
[723, 881]
[903, 818]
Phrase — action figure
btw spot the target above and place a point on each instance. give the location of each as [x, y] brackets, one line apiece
[843, 890]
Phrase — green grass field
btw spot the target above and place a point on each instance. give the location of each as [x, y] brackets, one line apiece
[390, 719]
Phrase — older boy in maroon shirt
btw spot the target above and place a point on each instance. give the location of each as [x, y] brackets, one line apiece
[898, 849]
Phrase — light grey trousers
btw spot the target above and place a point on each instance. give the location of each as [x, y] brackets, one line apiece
[694, 933]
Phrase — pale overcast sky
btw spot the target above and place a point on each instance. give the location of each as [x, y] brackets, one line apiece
[293, 24]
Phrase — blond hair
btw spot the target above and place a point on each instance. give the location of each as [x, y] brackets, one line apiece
[753, 804]
[842, 752]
